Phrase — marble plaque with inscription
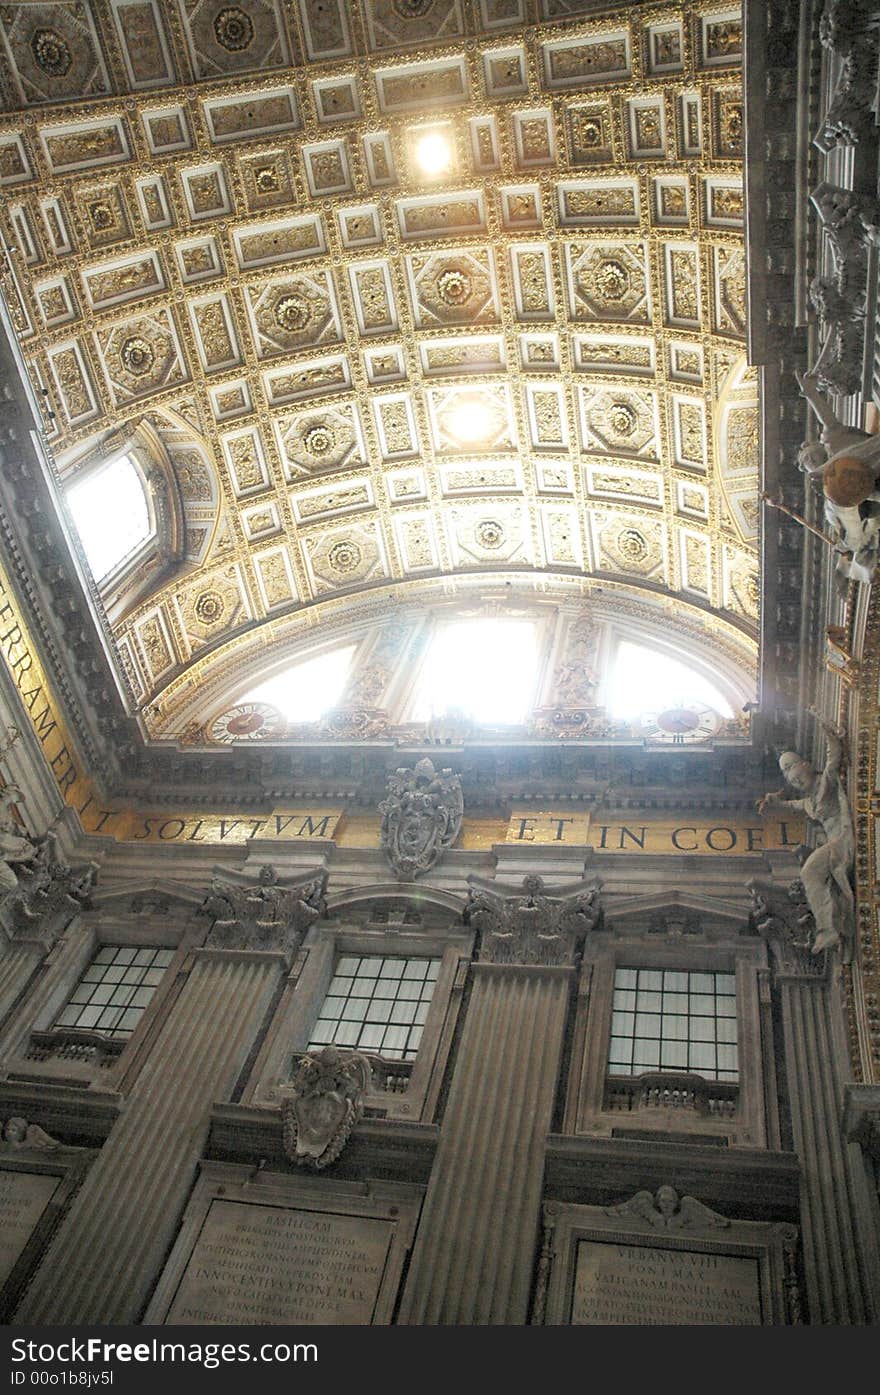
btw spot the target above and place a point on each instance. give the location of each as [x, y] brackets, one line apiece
[24, 1197]
[647, 1284]
[259, 1264]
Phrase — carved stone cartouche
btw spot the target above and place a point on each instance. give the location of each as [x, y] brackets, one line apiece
[421, 817]
[322, 1104]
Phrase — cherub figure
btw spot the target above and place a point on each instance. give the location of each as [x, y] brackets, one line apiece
[666, 1210]
[18, 1133]
[825, 875]
[848, 462]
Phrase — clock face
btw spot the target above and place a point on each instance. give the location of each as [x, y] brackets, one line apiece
[248, 721]
[678, 725]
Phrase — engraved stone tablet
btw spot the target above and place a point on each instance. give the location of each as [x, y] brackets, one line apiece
[24, 1197]
[258, 1264]
[663, 1259]
[645, 1284]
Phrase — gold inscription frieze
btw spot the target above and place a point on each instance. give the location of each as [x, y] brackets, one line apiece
[605, 832]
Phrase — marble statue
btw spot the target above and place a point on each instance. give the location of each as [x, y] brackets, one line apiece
[848, 462]
[18, 1133]
[15, 845]
[825, 875]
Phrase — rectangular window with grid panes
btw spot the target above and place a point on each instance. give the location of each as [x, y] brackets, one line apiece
[377, 1003]
[674, 1020]
[112, 994]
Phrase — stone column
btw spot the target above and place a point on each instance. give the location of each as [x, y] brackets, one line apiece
[841, 1259]
[474, 1254]
[19, 961]
[861, 1128]
[104, 1261]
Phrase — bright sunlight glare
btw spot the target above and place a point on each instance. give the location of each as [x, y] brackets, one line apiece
[305, 691]
[109, 510]
[482, 669]
[434, 153]
[644, 680]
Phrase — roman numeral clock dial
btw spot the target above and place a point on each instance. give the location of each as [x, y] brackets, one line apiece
[247, 721]
[679, 726]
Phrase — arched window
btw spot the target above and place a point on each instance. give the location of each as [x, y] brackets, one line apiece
[112, 515]
[481, 669]
[306, 690]
[123, 506]
[643, 679]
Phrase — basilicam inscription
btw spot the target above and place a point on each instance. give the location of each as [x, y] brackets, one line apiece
[24, 1197]
[255, 1264]
[620, 1284]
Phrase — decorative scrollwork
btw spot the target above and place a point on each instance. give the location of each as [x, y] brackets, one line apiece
[420, 818]
[532, 927]
[322, 1104]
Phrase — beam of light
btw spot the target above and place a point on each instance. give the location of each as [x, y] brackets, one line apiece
[482, 669]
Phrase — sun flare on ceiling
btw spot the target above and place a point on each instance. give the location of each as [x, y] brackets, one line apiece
[398, 295]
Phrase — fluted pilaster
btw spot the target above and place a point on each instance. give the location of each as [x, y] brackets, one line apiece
[105, 1258]
[841, 1266]
[474, 1253]
[18, 964]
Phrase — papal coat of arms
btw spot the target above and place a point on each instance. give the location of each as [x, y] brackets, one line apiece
[322, 1104]
[420, 818]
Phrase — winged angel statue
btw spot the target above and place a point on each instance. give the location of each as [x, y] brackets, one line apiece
[666, 1210]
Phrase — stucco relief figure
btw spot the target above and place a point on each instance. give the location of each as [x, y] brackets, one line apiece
[420, 818]
[324, 1101]
[15, 845]
[666, 1210]
[49, 886]
[18, 1133]
[533, 927]
[825, 875]
[265, 915]
[847, 461]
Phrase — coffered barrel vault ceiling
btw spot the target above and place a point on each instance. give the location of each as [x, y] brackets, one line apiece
[218, 226]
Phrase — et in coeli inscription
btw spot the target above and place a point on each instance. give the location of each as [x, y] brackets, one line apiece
[255, 1264]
